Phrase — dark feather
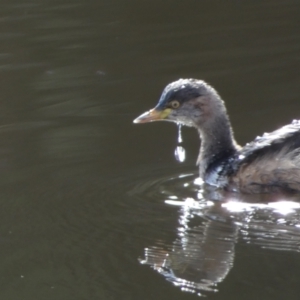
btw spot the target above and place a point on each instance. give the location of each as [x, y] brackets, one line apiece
[270, 162]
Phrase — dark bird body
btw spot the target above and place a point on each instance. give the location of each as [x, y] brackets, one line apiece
[270, 163]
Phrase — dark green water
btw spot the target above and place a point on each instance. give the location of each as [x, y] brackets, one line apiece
[94, 207]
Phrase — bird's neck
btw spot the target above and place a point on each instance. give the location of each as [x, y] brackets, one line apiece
[217, 144]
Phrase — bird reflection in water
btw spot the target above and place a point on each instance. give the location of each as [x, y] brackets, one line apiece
[203, 253]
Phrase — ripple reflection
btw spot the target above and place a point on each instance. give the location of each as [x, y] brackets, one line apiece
[209, 227]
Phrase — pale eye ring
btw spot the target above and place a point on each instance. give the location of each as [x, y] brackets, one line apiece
[174, 104]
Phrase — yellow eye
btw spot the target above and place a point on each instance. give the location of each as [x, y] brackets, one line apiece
[174, 104]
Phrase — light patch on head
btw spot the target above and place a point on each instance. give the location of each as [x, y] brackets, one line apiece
[165, 113]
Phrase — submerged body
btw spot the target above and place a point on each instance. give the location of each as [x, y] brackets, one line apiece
[270, 163]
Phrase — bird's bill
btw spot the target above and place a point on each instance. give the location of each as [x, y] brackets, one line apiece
[152, 115]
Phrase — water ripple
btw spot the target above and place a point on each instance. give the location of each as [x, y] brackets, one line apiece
[208, 229]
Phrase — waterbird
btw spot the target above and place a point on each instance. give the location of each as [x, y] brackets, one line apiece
[269, 164]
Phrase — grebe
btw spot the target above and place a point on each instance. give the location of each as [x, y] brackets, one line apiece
[270, 163]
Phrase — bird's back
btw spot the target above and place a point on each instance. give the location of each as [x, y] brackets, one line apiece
[270, 163]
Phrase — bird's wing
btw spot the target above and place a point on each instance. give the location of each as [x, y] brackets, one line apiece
[271, 161]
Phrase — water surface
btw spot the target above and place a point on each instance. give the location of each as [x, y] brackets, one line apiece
[94, 207]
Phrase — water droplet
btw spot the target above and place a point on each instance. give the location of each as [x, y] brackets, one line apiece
[179, 150]
[179, 139]
[180, 154]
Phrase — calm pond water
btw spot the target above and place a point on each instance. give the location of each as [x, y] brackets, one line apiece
[95, 207]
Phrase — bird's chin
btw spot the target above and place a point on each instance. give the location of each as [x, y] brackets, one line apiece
[181, 122]
[189, 124]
